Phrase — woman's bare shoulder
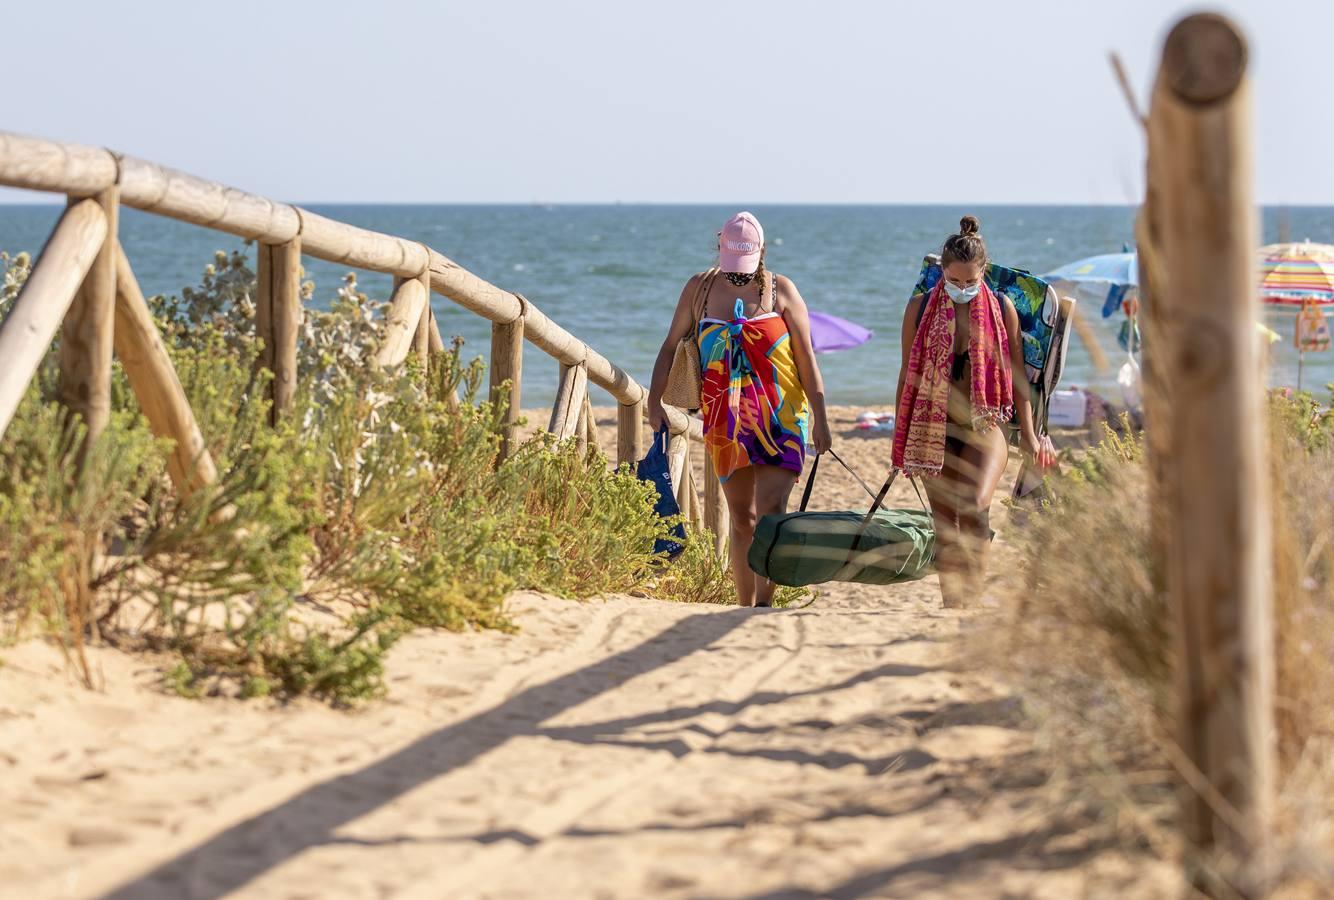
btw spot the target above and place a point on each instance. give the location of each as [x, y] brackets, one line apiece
[786, 295]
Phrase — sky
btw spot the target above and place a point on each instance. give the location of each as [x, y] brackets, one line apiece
[511, 101]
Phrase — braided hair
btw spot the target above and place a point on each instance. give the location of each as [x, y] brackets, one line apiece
[760, 274]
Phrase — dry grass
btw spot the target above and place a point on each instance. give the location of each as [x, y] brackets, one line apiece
[1088, 638]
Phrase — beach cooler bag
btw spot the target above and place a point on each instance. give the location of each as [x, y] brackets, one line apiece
[1068, 409]
[882, 546]
[656, 468]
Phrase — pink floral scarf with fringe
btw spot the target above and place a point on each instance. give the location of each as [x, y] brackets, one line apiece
[919, 429]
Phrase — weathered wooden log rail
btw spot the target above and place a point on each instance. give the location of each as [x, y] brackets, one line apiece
[81, 281]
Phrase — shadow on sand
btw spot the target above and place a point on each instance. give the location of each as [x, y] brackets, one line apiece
[240, 854]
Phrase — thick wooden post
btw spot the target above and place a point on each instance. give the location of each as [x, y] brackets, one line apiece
[155, 383]
[1211, 437]
[278, 317]
[630, 447]
[26, 332]
[86, 336]
[507, 367]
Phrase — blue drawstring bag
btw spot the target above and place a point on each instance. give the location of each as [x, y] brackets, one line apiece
[655, 467]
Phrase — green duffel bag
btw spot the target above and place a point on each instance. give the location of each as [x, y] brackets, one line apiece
[882, 546]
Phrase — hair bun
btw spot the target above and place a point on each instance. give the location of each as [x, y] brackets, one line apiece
[969, 225]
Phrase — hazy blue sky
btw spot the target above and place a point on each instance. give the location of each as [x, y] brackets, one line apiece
[675, 101]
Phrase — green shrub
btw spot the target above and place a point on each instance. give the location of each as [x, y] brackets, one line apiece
[56, 517]
[375, 505]
[584, 531]
[698, 575]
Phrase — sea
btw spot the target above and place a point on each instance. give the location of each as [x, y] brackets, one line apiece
[611, 274]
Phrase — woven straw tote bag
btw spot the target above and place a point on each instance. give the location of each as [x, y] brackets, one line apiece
[683, 382]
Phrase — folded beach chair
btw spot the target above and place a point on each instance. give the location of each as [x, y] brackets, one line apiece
[1044, 321]
[879, 546]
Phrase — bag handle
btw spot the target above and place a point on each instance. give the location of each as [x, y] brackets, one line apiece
[662, 439]
[701, 302]
[815, 467]
[878, 498]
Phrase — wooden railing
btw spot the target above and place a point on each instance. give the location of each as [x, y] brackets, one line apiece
[82, 284]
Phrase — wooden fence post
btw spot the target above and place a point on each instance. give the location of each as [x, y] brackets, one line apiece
[692, 508]
[715, 507]
[435, 340]
[26, 332]
[409, 302]
[571, 392]
[278, 317]
[678, 463]
[507, 367]
[588, 426]
[630, 447]
[1201, 215]
[86, 336]
[421, 341]
[155, 383]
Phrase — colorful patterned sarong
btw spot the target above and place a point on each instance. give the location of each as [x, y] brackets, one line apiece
[754, 408]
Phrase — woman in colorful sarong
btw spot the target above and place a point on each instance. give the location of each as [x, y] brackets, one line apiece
[762, 397]
[961, 380]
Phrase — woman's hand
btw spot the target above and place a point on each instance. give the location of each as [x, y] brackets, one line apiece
[1040, 450]
[657, 416]
[821, 438]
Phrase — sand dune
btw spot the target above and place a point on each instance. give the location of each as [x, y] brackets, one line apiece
[617, 748]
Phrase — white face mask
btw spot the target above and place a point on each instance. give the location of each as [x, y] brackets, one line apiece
[962, 294]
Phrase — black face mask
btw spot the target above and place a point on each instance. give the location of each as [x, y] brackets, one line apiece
[740, 279]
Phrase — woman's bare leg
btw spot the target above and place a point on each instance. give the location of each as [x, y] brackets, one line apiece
[982, 463]
[773, 488]
[739, 489]
[942, 491]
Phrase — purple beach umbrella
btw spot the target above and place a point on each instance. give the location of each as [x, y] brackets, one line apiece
[829, 333]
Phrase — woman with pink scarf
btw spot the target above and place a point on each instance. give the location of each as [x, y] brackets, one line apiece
[962, 377]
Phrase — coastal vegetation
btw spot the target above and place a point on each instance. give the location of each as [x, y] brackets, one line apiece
[378, 504]
[1088, 638]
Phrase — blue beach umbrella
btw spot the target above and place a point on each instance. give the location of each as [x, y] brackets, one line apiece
[830, 333]
[1105, 280]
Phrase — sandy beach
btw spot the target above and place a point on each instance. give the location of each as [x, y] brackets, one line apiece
[623, 747]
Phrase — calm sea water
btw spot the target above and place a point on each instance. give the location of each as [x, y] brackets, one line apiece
[611, 274]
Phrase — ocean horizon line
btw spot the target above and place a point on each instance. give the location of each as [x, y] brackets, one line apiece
[57, 200]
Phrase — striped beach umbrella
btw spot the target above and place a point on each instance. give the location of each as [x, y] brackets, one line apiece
[1292, 275]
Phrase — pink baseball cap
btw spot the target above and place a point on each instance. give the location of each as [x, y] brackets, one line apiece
[740, 243]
